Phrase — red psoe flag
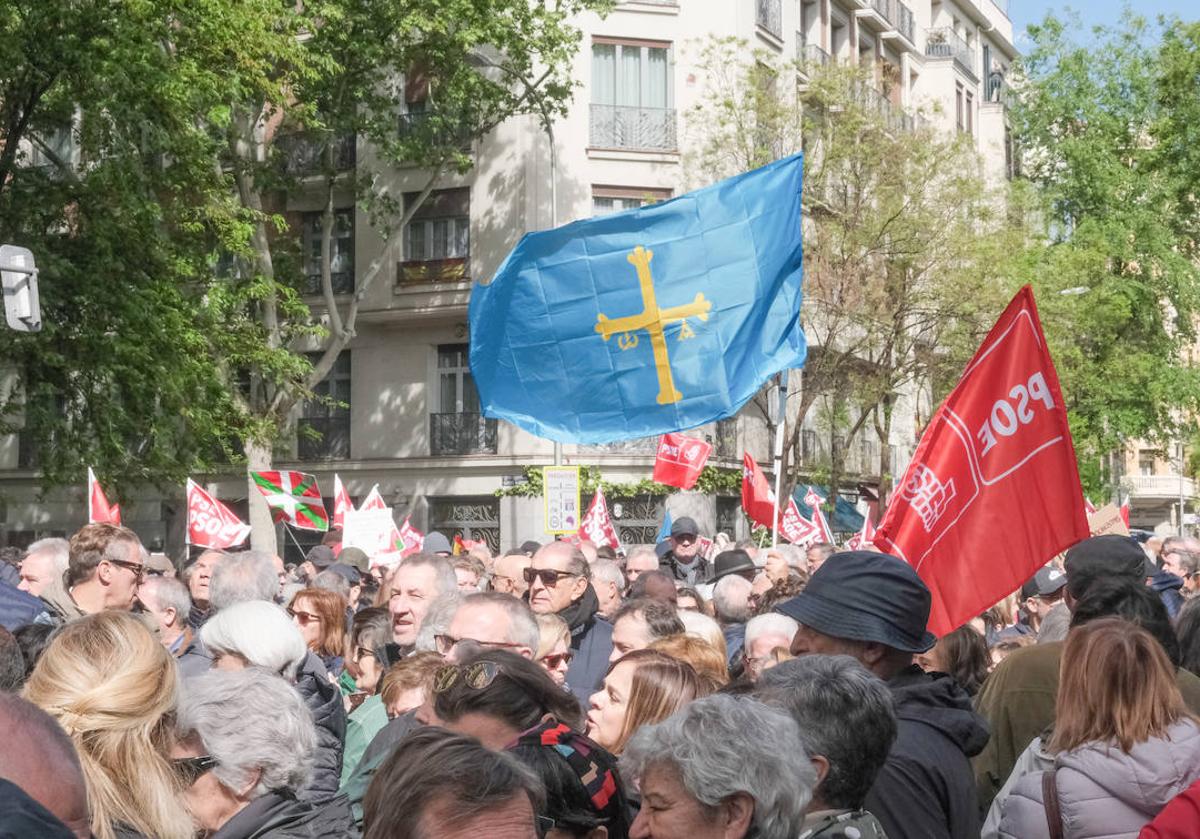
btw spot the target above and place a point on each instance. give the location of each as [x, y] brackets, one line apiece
[341, 502]
[993, 490]
[210, 523]
[796, 528]
[597, 525]
[814, 501]
[865, 537]
[757, 498]
[680, 460]
[412, 538]
[99, 510]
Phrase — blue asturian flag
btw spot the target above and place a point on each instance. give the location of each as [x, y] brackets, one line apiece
[646, 321]
[664, 532]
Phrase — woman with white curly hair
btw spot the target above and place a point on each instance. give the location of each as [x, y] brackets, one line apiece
[715, 770]
[245, 748]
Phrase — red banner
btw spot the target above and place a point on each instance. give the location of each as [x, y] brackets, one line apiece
[412, 538]
[597, 526]
[757, 498]
[796, 528]
[865, 538]
[341, 502]
[814, 501]
[680, 460]
[99, 510]
[210, 523]
[993, 490]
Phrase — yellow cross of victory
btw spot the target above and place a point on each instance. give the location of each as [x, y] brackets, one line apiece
[654, 320]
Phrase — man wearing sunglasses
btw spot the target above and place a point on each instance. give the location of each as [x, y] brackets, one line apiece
[106, 564]
[560, 583]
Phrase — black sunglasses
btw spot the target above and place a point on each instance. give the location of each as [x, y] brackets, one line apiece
[136, 567]
[548, 576]
[189, 769]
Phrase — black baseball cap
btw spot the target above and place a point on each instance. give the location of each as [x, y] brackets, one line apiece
[684, 526]
[321, 556]
[866, 596]
[1045, 582]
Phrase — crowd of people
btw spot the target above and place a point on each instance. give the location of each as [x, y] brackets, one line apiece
[565, 691]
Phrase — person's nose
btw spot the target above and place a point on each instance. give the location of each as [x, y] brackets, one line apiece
[640, 829]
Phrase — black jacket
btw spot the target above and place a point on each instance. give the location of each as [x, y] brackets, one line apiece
[22, 817]
[280, 815]
[926, 789]
[324, 701]
[591, 641]
[693, 573]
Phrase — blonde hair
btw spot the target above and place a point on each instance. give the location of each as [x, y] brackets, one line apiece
[113, 687]
[1115, 685]
[708, 662]
[414, 672]
[661, 685]
[551, 630]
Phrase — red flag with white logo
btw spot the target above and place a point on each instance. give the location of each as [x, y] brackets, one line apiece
[597, 525]
[813, 499]
[412, 538]
[210, 524]
[863, 538]
[373, 501]
[99, 510]
[757, 498]
[996, 466]
[341, 502]
[680, 460]
[796, 528]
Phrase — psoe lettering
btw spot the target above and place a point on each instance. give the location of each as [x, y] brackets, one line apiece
[1008, 415]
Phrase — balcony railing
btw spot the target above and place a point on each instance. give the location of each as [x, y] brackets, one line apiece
[893, 116]
[435, 128]
[632, 446]
[810, 55]
[946, 43]
[899, 16]
[769, 15]
[432, 271]
[461, 434]
[1159, 486]
[996, 89]
[303, 154]
[623, 127]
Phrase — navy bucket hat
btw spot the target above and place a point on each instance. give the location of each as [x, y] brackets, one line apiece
[866, 596]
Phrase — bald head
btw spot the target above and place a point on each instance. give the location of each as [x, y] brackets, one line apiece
[39, 757]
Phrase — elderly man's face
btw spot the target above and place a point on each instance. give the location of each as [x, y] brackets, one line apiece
[639, 564]
[554, 588]
[480, 625]
[200, 575]
[124, 579]
[669, 811]
[685, 546]
[759, 655]
[1174, 558]
[508, 575]
[630, 633]
[807, 641]
[37, 573]
[413, 589]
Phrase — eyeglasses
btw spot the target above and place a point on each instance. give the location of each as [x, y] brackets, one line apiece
[363, 652]
[304, 618]
[189, 769]
[548, 576]
[555, 660]
[446, 643]
[476, 676]
[544, 825]
[139, 570]
[685, 538]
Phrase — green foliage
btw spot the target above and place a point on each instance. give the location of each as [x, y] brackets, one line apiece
[713, 480]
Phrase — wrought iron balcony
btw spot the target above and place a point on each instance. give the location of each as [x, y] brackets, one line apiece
[461, 434]
[769, 15]
[811, 55]
[946, 43]
[303, 154]
[899, 16]
[624, 127]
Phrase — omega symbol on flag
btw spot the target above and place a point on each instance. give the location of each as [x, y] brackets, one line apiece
[927, 495]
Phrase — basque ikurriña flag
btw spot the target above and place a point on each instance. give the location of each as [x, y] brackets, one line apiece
[294, 497]
[646, 321]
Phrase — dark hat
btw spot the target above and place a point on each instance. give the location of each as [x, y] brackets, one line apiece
[348, 572]
[729, 562]
[1108, 555]
[436, 543]
[684, 526]
[355, 558]
[866, 596]
[321, 556]
[1045, 582]
[530, 547]
[160, 563]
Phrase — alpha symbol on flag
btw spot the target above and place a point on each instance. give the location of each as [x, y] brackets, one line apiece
[927, 495]
[653, 320]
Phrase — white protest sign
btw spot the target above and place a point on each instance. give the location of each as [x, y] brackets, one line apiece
[369, 530]
[561, 492]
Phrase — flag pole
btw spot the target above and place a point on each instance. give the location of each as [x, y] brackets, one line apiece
[781, 411]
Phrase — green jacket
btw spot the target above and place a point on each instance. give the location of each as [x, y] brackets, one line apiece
[361, 727]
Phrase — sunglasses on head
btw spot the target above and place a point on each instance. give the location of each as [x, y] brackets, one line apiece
[548, 576]
[476, 676]
[445, 643]
[189, 769]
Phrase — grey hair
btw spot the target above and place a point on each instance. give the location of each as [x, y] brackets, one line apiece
[771, 623]
[437, 620]
[522, 625]
[607, 571]
[793, 556]
[169, 592]
[332, 581]
[58, 549]
[845, 714]
[706, 742]
[443, 572]
[643, 550]
[260, 632]
[250, 721]
[242, 577]
[731, 598]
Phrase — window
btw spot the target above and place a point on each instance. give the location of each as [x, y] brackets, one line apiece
[987, 60]
[958, 106]
[328, 415]
[970, 112]
[1146, 461]
[341, 251]
[613, 199]
[457, 426]
[437, 241]
[632, 99]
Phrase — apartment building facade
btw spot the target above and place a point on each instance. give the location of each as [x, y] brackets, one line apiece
[407, 415]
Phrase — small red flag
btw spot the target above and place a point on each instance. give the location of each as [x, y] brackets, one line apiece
[680, 460]
[411, 538]
[814, 501]
[341, 502]
[99, 510]
[597, 525]
[210, 523]
[864, 538]
[757, 498]
[996, 466]
[796, 528]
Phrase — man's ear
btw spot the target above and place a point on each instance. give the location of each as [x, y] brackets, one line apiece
[736, 814]
[821, 764]
[171, 611]
[579, 588]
